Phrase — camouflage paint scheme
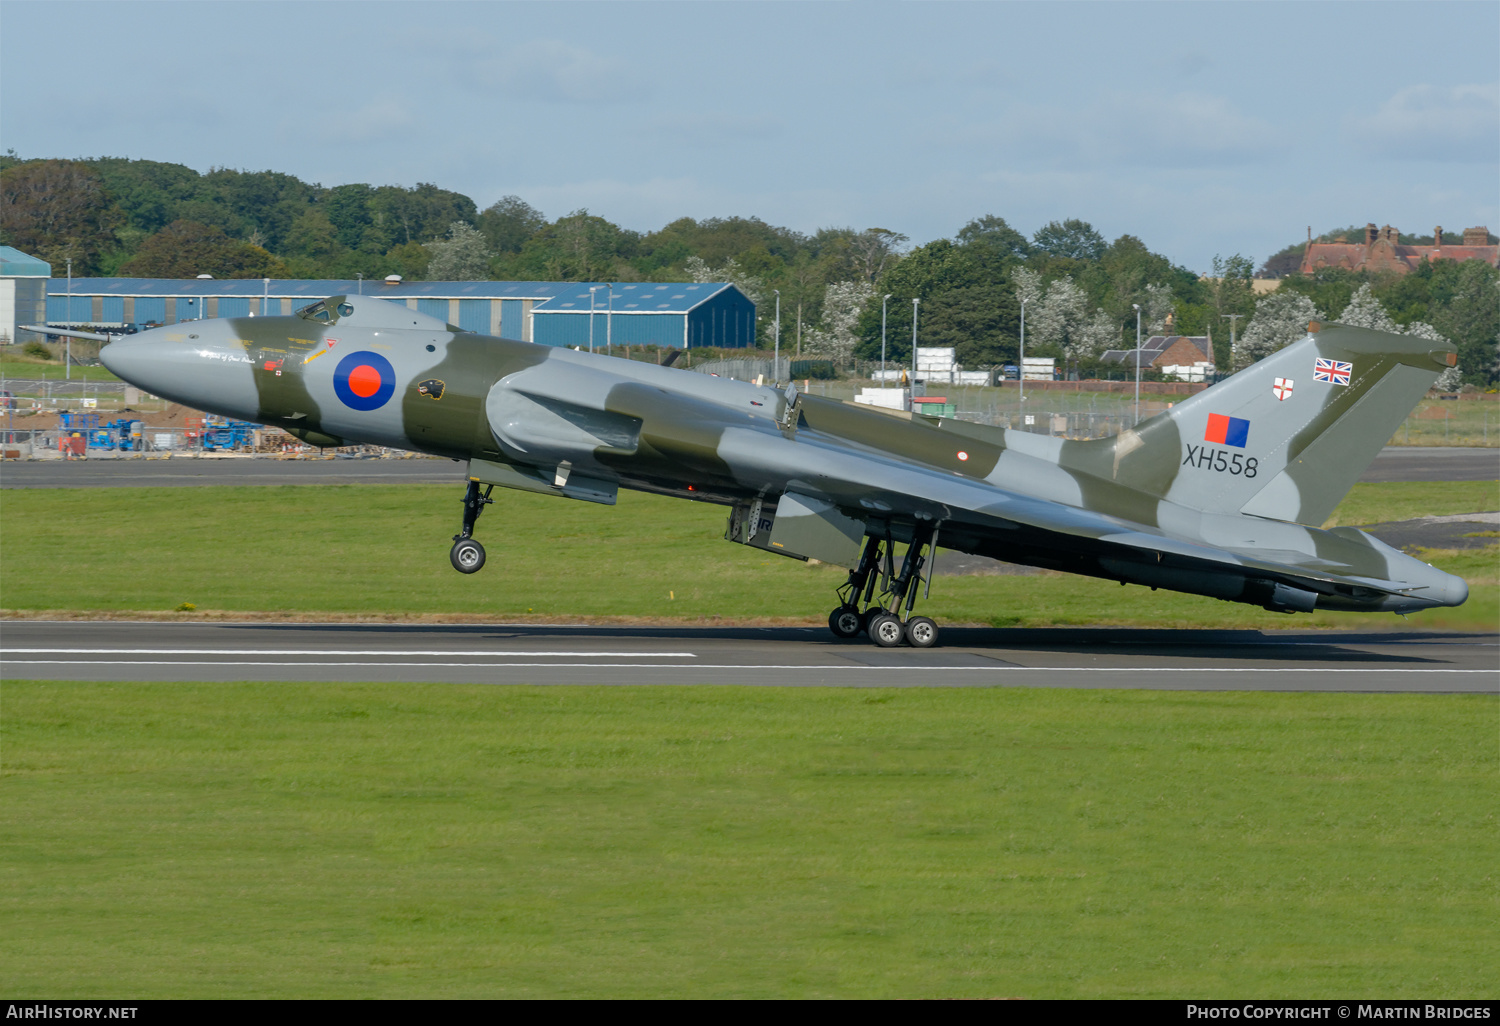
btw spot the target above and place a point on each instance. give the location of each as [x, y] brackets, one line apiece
[1162, 505]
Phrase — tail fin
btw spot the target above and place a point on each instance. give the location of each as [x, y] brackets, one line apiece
[1287, 437]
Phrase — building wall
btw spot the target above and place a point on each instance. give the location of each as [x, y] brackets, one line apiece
[1179, 353]
[572, 329]
[728, 319]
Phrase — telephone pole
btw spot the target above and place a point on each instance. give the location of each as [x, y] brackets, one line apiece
[1231, 318]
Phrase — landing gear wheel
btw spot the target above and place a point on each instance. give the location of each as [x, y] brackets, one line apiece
[844, 622]
[885, 630]
[467, 556]
[867, 616]
[921, 632]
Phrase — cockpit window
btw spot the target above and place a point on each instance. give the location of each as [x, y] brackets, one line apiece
[345, 309]
[316, 312]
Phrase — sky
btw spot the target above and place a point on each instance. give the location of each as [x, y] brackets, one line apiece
[1202, 128]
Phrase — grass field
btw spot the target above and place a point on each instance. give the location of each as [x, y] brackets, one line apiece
[54, 370]
[324, 840]
[382, 550]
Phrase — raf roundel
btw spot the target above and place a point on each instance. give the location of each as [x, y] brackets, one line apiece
[364, 381]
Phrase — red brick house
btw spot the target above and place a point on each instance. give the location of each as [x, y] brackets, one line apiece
[1381, 251]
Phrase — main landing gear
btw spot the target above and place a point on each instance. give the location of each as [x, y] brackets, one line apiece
[889, 621]
[467, 555]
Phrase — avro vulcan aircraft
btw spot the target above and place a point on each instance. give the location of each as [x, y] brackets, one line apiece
[1219, 495]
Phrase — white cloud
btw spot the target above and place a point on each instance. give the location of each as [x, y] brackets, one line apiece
[715, 129]
[379, 119]
[1425, 122]
[1138, 129]
[556, 72]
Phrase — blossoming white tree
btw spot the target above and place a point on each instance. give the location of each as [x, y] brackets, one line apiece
[1280, 319]
[462, 256]
[842, 303]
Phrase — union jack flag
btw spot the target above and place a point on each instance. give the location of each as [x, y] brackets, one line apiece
[1332, 371]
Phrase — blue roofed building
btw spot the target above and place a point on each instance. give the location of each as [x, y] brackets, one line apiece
[23, 294]
[679, 315]
[548, 312]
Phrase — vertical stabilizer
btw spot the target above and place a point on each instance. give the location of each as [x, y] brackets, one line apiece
[1287, 437]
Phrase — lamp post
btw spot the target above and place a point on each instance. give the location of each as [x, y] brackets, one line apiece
[609, 323]
[593, 290]
[68, 322]
[1021, 357]
[776, 360]
[1137, 308]
[265, 296]
[914, 304]
[883, 300]
[361, 283]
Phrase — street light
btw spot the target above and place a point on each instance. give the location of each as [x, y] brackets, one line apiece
[1137, 308]
[265, 296]
[776, 360]
[593, 290]
[68, 322]
[361, 283]
[914, 304]
[883, 300]
[1021, 370]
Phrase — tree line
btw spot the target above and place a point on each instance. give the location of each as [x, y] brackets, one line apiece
[116, 216]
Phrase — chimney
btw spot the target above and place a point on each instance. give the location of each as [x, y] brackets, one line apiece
[1437, 236]
[1390, 234]
[1370, 233]
[1476, 236]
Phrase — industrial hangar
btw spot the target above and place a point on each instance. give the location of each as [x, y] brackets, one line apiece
[676, 314]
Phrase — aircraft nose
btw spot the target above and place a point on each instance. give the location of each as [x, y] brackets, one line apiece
[193, 371]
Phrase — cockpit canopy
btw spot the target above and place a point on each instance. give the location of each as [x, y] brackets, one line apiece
[366, 312]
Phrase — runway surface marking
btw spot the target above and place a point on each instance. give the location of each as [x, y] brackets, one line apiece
[334, 652]
[925, 668]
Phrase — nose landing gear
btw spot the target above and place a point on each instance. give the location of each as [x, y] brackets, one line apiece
[467, 555]
[890, 621]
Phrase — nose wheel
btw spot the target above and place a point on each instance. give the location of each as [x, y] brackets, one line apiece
[467, 555]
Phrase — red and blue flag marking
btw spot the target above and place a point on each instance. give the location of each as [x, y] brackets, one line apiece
[1335, 372]
[1224, 430]
[364, 381]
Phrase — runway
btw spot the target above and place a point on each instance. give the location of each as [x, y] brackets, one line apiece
[1170, 660]
[1395, 463]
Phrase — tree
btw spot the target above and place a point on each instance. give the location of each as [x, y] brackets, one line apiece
[186, 249]
[1471, 317]
[311, 235]
[1157, 305]
[1072, 239]
[1365, 311]
[1059, 320]
[509, 222]
[753, 287]
[874, 248]
[462, 256]
[56, 210]
[1280, 319]
[842, 304]
[979, 321]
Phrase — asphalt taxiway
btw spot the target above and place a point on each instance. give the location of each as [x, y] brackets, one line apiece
[1185, 660]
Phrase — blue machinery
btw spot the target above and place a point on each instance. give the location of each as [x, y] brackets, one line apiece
[217, 433]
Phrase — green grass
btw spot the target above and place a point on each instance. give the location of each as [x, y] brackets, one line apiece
[326, 840]
[1379, 503]
[1472, 422]
[36, 370]
[378, 550]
